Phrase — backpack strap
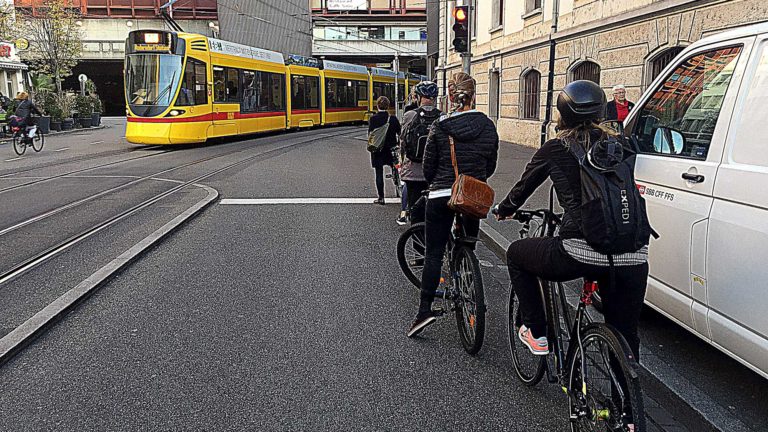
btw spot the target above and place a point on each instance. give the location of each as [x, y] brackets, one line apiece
[453, 156]
[577, 150]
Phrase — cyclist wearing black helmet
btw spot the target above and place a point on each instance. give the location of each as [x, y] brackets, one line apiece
[413, 140]
[568, 256]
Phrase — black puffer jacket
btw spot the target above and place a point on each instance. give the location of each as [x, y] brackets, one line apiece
[477, 148]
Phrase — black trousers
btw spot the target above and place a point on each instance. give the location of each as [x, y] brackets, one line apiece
[439, 222]
[380, 180]
[545, 257]
[415, 189]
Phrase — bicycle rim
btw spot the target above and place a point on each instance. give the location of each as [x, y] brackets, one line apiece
[38, 142]
[18, 145]
[528, 367]
[410, 253]
[605, 391]
[470, 299]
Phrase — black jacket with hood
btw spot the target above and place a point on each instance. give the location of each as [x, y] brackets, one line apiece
[477, 148]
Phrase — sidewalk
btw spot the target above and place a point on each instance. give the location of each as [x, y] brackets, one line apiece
[665, 409]
[5, 139]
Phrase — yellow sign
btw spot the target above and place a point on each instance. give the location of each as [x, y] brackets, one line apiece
[145, 47]
[21, 44]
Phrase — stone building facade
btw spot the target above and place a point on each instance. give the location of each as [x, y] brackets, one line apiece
[609, 41]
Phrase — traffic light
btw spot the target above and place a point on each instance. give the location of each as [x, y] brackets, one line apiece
[461, 28]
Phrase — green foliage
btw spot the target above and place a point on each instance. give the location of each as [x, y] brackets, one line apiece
[8, 30]
[64, 103]
[55, 39]
[42, 88]
[84, 105]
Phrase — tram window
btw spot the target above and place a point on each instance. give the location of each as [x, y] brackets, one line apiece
[232, 85]
[362, 91]
[193, 85]
[313, 92]
[219, 85]
[277, 95]
[304, 92]
[250, 93]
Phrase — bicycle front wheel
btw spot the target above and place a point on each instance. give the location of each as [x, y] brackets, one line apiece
[38, 142]
[604, 386]
[18, 145]
[411, 248]
[470, 299]
[528, 367]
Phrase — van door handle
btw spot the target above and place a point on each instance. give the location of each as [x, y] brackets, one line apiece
[693, 178]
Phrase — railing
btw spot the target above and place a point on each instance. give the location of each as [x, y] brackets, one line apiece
[182, 9]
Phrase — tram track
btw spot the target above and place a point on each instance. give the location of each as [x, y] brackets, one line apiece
[29, 263]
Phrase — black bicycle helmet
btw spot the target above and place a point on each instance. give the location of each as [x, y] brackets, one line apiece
[426, 89]
[581, 101]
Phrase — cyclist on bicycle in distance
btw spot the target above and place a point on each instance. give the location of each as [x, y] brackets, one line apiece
[413, 139]
[24, 113]
[476, 144]
[569, 256]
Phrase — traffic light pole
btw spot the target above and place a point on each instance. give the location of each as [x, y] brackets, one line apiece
[466, 58]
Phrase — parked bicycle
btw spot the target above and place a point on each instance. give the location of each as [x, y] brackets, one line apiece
[462, 291]
[591, 361]
[21, 140]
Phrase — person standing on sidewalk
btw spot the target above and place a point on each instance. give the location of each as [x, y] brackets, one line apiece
[569, 256]
[476, 145]
[618, 109]
[413, 140]
[385, 154]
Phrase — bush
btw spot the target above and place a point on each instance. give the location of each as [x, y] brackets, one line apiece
[84, 106]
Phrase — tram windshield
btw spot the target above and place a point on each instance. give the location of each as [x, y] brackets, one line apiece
[152, 79]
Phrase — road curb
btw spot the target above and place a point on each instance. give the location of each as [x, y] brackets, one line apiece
[652, 384]
[54, 134]
[14, 341]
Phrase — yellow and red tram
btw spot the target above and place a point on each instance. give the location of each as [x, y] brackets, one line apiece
[186, 88]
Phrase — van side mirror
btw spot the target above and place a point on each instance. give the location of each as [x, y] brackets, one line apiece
[668, 141]
[614, 125]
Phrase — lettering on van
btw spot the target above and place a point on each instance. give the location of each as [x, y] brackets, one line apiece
[657, 193]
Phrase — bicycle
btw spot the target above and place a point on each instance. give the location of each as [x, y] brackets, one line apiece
[580, 350]
[464, 294]
[21, 140]
[395, 173]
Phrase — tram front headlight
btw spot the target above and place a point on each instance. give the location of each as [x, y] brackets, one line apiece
[175, 113]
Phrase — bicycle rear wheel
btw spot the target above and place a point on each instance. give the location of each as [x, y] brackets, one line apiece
[528, 367]
[604, 386]
[18, 145]
[38, 142]
[470, 299]
[411, 248]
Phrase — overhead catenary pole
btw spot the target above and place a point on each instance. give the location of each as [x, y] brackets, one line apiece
[396, 67]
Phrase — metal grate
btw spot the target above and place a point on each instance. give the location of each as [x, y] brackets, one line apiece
[586, 71]
[659, 63]
[531, 92]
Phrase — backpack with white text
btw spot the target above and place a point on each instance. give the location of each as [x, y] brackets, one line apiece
[416, 135]
[614, 219]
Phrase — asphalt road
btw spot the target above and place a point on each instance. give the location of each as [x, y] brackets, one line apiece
[250, 317]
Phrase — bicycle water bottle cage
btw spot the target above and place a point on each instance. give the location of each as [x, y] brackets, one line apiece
[587, 291]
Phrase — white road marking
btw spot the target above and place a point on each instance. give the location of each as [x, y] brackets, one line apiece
[97, 142]
[278, 201]
[14, 159]
[62, 149]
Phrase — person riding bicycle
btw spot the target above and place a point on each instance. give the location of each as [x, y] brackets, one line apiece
[24, 113]
[568, 256]
[413, 139]
[476, 144]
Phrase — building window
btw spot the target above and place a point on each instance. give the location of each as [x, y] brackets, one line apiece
[662, 60]
[531, 92]
[532, 5]
[371, 32]
[497, 14]
[587, 70]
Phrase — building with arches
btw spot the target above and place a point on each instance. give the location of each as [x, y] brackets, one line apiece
[519, 47]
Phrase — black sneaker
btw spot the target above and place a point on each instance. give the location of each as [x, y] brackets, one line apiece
[420, 323]
[403, 219]
[379, 201]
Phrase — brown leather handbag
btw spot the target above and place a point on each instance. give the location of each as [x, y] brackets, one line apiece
[469, 196]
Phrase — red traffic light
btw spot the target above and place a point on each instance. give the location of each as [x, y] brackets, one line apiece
[460, 13]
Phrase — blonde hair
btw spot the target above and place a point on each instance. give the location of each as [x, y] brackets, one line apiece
[581, 133]
[461, 89]
[22, 95]
[382, 103]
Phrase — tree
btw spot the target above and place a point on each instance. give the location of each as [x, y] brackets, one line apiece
[7, 24]
[55, 39]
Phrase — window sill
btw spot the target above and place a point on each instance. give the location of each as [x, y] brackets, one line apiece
[496, 29]
[532, 14]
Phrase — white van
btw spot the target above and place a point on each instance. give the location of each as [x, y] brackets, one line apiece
[701, 130]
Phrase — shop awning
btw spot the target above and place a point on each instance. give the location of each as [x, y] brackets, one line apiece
[9, 65]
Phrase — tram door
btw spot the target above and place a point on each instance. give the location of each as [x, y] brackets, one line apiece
[226, 101]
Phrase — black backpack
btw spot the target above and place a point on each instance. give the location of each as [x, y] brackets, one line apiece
[416, 136]
[613, 214]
